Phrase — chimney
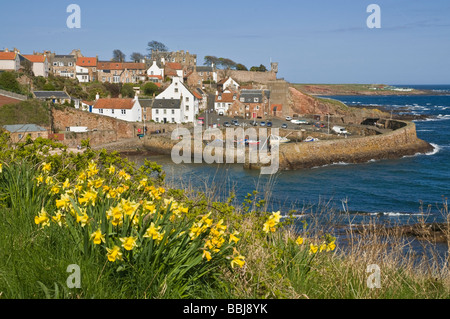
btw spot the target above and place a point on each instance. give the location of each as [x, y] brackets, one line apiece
[97, 96]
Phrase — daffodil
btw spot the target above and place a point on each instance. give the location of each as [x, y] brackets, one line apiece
[152, 232]
[55, 189]
[1, 167]
[128, 242]
[42, 218]
[40, 180]
[123, 175]
[92, 169]
[233, 237]
[97, 237]
[83, 219]
[46, 167]
[331, 246]
[238, 260]
[89, 197]
[111, 169]
[207, 255]
[114, 254]
[63, 202]
[313, 249]
[299, 240]
[66, 184]
[59, 218]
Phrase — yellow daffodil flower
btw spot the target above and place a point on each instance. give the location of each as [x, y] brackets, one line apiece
[114, 254]
[207, 255]
[46, 167]
[299, 240]
[128, 242]
[313, 249]
[97, 237]
[42, 219]
[238, 260]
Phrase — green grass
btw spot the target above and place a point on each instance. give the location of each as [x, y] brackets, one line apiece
[25, 112]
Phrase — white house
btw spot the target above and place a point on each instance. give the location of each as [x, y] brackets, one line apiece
[224, 100]
[122, 109]
[229, 83]
[9, 61]
[189, 102]
[40, 64]
[167, 111]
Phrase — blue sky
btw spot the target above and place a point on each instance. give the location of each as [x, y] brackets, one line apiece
[323, 41]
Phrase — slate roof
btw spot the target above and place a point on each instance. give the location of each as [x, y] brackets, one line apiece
[167, 104]
[51, 95]
[146, 102]
[250, 95]
[204, 69]
[22, 128]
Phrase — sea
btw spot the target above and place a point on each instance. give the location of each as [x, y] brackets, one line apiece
[406, 190]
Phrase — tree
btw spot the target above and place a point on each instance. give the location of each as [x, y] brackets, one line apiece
[118, 56]
[149, 88]
[156, 46]
[127, 90]
[227, 63]
[210, 60]
[137, 57]
[260, 68]
[241, 67]
[112, 88]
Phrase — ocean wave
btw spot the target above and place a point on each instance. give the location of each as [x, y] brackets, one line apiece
[436, 149]
[440, 117]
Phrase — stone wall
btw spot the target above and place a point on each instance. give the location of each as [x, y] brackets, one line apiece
[101, 129]
[247, 76]
[395, 144]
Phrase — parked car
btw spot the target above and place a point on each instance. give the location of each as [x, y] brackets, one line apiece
[262, 123]
[227, 124]
[339, 130]
[284, 125]
[254, 123]
[269, 124]
[288, 118]
[299, 122]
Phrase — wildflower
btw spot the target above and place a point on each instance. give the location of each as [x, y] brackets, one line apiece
[1, 167]
[124, 175]
[59, 218]
[322, 247]
[238, 260]
[83, 219]
[66, 184]
[42, 218]
[331, 246]
[272, 222]
[233, 237]
[111, 169]
[149, 206]
[206, 254]
[299, 241]
[97, 237]
[55, 190]
[112, 193]
[143, 183]
[63, 202]
[313, 249]
[152, 232]
[92, 169]
[116, 214]
[129, 207]
[46, 167]
[114, 254]
[128, 242]
[82, 177]
[40, 180]
[88, 197]
[49, 180]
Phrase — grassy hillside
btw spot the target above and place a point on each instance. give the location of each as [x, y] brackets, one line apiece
[25, 112]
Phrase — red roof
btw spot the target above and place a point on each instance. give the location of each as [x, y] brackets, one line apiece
[174, 65]
[7, 55]
[121, 66]
[87, 61]
[123, 104]
[35, 58]
[197, 95]
[226, 97]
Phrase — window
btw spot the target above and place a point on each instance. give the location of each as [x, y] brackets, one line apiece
[70, 64]
[157, 119]
[100, 111]
[124, 112]
[165, 111]
[242, 99]
[176, 90]
[220, 97]
[173, 120]
[173, 112]
[55, 63]
[156, 111]
[103, 79]
[256, 100]
[187, 98]
[112, 111]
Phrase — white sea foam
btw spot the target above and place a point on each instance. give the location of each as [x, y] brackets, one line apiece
[436, 149]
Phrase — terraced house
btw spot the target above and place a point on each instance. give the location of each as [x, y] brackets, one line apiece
[63, 65]
[86, 69]
[121, 72]
[39, 64]
[123, 109]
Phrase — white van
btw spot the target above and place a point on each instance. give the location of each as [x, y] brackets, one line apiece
[339, 130]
